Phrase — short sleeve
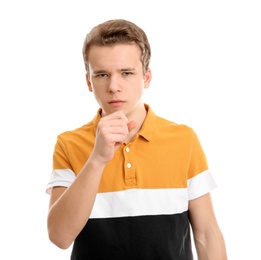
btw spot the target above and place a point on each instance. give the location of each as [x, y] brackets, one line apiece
[62, 178]
[200, 179]
[62, 174]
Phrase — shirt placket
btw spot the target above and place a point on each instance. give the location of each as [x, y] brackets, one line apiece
[129, 166]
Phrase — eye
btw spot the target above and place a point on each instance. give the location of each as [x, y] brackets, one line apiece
[101, 75]
[127, 73]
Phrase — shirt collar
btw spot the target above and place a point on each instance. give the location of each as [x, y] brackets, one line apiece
[149, 125]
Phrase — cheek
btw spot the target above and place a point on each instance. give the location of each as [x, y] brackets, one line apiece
[97, 98]
[97, 93]
[137, 91]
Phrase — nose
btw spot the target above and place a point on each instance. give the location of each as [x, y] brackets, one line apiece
[114, 84]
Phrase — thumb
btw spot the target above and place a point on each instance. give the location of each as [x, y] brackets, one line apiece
[131, 125]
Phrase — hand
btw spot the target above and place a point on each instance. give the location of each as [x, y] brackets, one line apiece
[112, 131]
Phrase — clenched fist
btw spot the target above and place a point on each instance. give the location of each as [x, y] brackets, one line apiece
[112, 131]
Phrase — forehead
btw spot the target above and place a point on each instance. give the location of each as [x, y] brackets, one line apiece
[119, 53]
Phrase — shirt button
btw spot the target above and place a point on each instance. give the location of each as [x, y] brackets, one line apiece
[129, 165]
[127, 149]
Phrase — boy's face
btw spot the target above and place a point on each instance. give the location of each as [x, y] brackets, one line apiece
[116, 78]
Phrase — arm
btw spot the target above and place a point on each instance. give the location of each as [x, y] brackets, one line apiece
[209, 241]
[70, 208]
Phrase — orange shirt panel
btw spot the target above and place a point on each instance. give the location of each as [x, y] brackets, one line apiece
[163, 155]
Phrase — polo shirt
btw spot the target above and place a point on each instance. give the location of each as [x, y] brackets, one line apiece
[141, 208]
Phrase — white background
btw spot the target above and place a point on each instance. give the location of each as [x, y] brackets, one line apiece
[206, 64]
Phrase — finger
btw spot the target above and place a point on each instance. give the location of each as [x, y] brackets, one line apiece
[131, 125]
[115, 115]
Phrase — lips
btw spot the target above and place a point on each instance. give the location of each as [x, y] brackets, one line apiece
[116, 102]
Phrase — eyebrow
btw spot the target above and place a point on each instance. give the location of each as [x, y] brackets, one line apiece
[99, 71]
[128, 69]
[104, 71]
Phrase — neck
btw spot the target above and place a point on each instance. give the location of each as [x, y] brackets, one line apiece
[139, 120]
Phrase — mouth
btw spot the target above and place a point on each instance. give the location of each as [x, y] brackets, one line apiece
[116, 103]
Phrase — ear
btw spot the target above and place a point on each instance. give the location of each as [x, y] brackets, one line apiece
[147, 78]
[88, 82]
